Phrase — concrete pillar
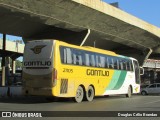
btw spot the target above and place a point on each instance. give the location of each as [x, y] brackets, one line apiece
[3, 61]
[13, 66]
[7, 70]
[3, 75]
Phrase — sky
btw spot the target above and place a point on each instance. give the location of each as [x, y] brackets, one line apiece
[11, 37]
[147, 10]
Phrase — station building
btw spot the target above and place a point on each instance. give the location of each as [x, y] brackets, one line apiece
[151, 72]
[9, 52]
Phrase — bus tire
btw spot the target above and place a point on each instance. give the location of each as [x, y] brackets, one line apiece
[90, 94]
[79, 94]
[129, 94]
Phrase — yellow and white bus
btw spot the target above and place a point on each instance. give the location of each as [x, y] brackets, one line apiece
[55, 68]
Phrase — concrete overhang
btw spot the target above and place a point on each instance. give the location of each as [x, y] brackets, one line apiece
[68, 20]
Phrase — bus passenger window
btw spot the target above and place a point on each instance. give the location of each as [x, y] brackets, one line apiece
[69, 56]
[63, 54]
[106, 63]
[110, 61]
[74, 58]
[79, 60]
[115, 63]
[102, 61]
[131, 65]
[98, 61]
[124, 65]
[93, 63]
[64, 57]
[128, 66]
[87, 62]
[120, 64]
[77, 57]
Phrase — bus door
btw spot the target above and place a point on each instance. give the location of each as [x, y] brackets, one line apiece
[137, 72]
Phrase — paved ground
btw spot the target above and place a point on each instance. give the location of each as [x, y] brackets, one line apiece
[111, 103]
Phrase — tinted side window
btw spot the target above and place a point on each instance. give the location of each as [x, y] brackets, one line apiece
[66, 55]
[152, 86]
[77, 57]
[93, 62]
[87, 63]
[63, 55]
[115, 62]
[90, 59]
[128, 65]
[120, 64]
[131, 66]
[97, 61]
[158, 85]
[80, 57]
[100, 60]
[110, 62]
[106, 62]
[124, 65]
[69, 55]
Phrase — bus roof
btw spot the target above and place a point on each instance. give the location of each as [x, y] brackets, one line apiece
[88, 48]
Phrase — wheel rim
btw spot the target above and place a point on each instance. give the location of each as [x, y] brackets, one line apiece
[143, 93]
[90, 93]
[79, 94]
[129, 92]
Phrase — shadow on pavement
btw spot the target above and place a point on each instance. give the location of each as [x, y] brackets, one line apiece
[43, 99]
[33, 100]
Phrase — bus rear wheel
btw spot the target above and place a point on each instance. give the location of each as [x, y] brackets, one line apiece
[90, 93]
[79, 94]
[129, 94]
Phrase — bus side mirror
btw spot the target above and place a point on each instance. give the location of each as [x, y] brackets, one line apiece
[141, 71]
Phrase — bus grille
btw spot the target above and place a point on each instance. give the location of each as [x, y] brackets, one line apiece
[64, 86]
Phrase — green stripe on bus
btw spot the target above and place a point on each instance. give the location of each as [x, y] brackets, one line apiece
[114, 80]
[120, 80]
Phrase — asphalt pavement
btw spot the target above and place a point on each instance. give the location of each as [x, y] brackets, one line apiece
[108, 106]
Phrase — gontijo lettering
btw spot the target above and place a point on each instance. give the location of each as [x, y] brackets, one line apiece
[92, 72]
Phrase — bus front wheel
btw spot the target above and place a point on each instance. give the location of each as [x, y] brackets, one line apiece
[129, 94]
[90, 93]
[79, 94]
